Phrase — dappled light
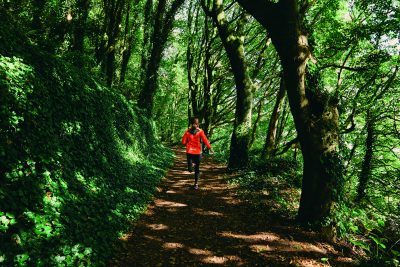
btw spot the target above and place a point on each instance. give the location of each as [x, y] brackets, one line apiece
[158, 226]
[251, 238]
[199, 133]
[214, 260]
[172, 245]
[212, 226]
[165, 203]
[200, 211]
[197, 251]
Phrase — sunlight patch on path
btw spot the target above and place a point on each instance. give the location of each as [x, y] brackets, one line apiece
[294, 246]
[172, 245]
[306, 262]
[168, 204]
[262, 236]
[214, 260]
[260, 248]
[197, 251]
[207, 212]
[158, 226]
[213, 227]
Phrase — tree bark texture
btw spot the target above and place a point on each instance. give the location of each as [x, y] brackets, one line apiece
[315, 114]
[105, 52]
[206, 111]
[162, 26]
[129, 37]
[270, 141]
[147, 33]
[233, 44]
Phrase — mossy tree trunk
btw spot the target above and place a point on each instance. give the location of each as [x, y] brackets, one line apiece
[366, 165]
[315, 114]
[233, 44]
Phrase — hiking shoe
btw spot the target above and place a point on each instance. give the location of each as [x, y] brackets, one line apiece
[196, 186]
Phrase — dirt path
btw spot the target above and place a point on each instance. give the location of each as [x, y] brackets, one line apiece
[211, 227]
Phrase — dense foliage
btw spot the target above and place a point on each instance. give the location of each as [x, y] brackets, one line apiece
[354, 62]
[303, 96]
[75, 166]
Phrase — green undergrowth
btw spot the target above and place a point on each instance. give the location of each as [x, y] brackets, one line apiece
[371, 231]
[270, 187]
[75, 166]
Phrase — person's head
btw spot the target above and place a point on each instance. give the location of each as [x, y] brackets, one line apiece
[194, 121]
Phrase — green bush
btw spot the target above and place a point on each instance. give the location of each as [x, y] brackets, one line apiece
[368, 230]
[76, 163]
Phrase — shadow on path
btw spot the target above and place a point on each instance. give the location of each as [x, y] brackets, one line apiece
[212, 227]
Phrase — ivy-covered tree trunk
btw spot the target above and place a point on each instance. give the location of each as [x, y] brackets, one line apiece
[366, 165]
[315, 114]
[233, 44]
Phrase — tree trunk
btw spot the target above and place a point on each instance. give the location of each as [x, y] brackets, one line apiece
[207, 81]
[233, 44]
[366, 165]
[110, 66]
[315, 114]
[79, 25]
[147, 33]
[126, 55]
[259, 109]
[105, 52]
[162, 27]
[316, 120]
[146, 97]
[129, 38]
[270, 143]
[192, 90]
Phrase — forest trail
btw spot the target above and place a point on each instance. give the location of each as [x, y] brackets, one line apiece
[212, 227]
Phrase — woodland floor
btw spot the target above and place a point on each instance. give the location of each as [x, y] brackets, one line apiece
[211, 226]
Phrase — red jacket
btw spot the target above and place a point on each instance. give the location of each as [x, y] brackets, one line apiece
[191, 139]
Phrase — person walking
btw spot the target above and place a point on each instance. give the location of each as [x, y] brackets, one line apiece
[191, 139]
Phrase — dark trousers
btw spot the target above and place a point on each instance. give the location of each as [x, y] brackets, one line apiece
[194, 158]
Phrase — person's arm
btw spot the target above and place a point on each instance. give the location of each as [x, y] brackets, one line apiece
[184, 138]
[204, 138]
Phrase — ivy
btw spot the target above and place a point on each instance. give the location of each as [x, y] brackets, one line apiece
[79, 178]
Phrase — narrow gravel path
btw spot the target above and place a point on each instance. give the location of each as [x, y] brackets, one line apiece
[212, 227]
